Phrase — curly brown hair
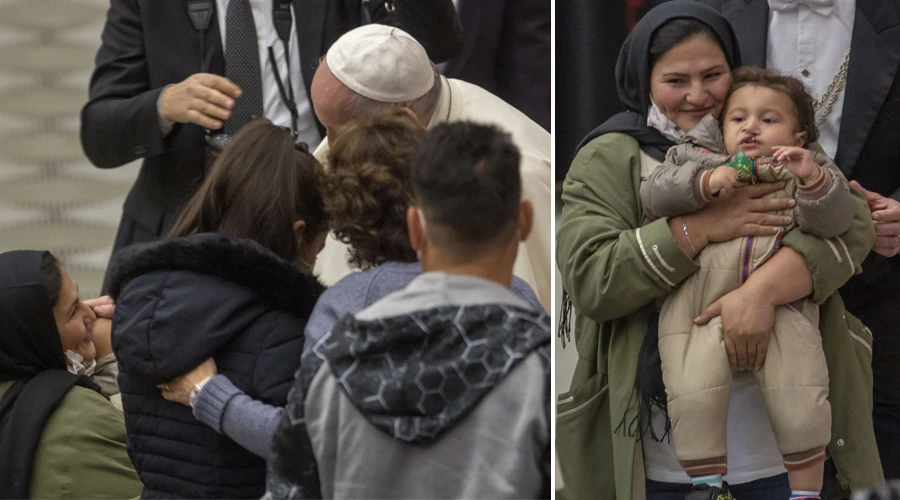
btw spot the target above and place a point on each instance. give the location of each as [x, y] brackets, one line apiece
[750, 76]
[369, 187]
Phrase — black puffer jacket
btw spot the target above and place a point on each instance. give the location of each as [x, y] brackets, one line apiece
[178, 302]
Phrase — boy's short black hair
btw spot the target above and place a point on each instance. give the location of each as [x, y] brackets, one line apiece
[465, 177]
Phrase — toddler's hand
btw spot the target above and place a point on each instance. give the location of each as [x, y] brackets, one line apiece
[723, 179]
[798, 161]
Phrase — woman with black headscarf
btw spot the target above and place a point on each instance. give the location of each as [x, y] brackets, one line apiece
[675, 68]
[59, 437]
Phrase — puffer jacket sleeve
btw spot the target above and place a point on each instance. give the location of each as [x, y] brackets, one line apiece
[827, 209]
[279, 357]
[669, 190]
[611, 264]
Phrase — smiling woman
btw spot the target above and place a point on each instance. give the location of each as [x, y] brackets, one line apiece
[59, 436]
[618, 265]
[74, 319]
[690, 76]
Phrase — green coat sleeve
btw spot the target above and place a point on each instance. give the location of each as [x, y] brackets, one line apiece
[611, 265]
[833, 261]
[82, 452]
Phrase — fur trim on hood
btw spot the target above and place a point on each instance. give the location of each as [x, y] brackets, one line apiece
[240, 261]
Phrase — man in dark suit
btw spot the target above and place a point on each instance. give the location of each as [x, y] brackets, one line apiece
[868, 152]
[160, 81]
[506, 51]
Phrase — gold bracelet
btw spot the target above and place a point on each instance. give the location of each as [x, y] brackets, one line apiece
[688, 236]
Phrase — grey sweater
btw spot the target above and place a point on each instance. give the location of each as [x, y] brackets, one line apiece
[252, 424]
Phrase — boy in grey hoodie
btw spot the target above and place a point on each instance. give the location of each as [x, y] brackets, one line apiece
[440, 390]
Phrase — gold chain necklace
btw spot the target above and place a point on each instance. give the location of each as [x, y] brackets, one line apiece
[832, 92]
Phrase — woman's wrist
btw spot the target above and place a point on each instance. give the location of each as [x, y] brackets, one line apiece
[192, 396]
[688, 235]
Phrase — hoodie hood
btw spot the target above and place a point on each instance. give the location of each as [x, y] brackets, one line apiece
[29, 338]
[416, 375]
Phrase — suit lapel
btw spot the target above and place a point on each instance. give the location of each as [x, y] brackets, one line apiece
[310, 18]
[746, 16]
[874, 59]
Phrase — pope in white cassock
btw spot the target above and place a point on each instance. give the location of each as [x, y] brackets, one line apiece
[376, 66]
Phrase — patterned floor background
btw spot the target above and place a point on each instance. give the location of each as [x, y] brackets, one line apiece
[51, 197]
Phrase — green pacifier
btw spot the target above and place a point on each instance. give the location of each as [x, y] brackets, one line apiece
[744, 167]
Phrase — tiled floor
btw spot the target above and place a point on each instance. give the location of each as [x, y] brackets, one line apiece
[51, 197]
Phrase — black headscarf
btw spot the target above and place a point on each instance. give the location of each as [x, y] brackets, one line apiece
[29, 339]
[31, 354]
[633, 72]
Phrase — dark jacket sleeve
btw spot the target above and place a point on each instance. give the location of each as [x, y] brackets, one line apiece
[434, 23]
[120, 122]
[284, 341]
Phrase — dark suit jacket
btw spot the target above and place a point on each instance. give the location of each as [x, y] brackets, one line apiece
[506, 50]
[868, 151]
[148, 44]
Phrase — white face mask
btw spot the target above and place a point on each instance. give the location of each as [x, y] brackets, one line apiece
[75, 364]
[658, 120]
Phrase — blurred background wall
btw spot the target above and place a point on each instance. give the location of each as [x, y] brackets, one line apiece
[51, 197]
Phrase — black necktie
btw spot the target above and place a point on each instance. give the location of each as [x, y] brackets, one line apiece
[242, 64]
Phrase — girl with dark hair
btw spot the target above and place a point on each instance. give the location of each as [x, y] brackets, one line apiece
[59, 437]
[232, 282]
[617, 267]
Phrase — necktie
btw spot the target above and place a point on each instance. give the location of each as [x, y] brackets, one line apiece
[242, 64]
[821, 7]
